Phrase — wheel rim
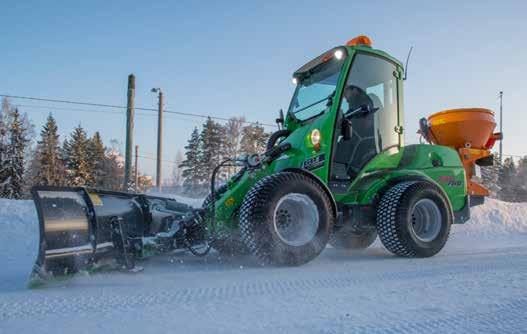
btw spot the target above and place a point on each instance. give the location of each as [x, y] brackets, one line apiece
[426, 220]
[296, 219]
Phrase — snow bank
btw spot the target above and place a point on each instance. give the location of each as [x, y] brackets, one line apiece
[194, 202]
[493, 222]
[18, 241]
[497, 217]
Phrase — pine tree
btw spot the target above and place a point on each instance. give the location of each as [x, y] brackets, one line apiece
[521, 180]
[3, 142]
[490, 174]
[49, 165]
[254, 139]
[78, 168]
[5, 111]
[212, 142]
[96, 157]
[507, 181]
[191, 169]
[13, 162]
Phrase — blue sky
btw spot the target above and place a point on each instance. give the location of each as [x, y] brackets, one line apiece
[229, 58]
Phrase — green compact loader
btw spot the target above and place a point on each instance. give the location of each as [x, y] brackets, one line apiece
[337, 171]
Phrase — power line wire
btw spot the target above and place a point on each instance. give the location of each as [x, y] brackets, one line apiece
[137, 108]
[67, 109]
[150, 158]
[98, 111]
[92, 104]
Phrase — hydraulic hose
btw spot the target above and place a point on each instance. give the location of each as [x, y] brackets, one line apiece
[275, 136]
[212, 212]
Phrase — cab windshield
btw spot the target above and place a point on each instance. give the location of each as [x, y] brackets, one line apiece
[315, 90]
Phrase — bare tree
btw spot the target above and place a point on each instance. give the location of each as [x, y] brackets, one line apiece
[233, 138]
[177, 171]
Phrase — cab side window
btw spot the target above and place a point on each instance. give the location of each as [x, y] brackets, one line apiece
[372, 78]
[369, 102]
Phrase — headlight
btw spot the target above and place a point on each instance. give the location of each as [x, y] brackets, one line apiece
[339, 54]
[295, 81]
[315, 138]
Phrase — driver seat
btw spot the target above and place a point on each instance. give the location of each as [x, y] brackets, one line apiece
[353, 154]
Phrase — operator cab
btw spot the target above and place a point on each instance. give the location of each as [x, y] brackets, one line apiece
[369, 106]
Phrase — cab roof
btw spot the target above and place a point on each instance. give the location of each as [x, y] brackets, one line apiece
[360, 43]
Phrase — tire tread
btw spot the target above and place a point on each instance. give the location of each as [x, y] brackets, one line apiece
[253, 212]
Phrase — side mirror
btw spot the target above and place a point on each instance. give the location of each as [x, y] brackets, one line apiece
[346, 129]
[424, 129]
[280, 120]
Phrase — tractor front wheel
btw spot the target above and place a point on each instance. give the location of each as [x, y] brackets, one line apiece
[413, 219]
[286, 219]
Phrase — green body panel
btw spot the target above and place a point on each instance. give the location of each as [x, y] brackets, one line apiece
[413, 162]
[437, 164]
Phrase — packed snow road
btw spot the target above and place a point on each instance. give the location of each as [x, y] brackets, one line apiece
[477, 284]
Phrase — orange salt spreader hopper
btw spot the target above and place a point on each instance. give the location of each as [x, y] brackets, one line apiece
[470, 131]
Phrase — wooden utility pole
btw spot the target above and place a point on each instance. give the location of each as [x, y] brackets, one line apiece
[159, 176]
[129, 131]
[136, 176]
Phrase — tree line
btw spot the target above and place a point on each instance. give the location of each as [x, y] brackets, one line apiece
[208, 147]
[507, 181]
[83, 160]
[79, 160]
[28, 160]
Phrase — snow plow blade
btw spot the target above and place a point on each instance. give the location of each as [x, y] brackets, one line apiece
[80, 226]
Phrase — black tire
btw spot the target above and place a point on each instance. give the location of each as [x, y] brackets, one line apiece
[275, 136]
[259, 219]
[228, 245]
[352, 240]
[396, 219]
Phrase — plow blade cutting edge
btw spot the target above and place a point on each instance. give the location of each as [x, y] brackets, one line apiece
[81, 226]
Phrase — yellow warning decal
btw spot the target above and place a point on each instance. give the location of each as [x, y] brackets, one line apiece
[95, 199]
[230, 201]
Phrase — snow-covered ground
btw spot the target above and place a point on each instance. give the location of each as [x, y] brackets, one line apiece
[477, 284]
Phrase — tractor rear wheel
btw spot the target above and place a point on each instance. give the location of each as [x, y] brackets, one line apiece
[352, 240]
[414, 219]
[286, 219]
